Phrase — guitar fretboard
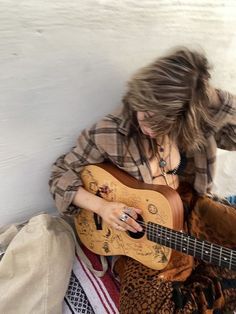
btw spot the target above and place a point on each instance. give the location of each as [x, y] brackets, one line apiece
[204, 250]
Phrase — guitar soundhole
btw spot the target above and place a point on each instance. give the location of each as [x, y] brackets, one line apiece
[138, 235]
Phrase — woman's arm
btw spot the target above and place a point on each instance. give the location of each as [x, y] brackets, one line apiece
[65, 175]
[223, 105]
[109, 211]
[67, 188]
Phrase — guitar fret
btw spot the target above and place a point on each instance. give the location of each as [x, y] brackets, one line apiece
[181, 243]
[206, 251]
[211, 253]
[188, 244]
[202, 251]
[151, 234]
[159, 234]
[170, 238]
[220, 256]
[165, 236]
[191, 246]
[184, 248]
[175, 240]
[226, 260]
[194, 250]
[230, 259]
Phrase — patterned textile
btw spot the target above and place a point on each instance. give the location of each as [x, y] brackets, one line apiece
[107, 140]
[76, 298]
[209, 289]
[89, 294]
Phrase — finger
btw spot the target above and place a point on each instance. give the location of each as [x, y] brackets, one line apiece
[125, 225]
[132, 211]
[129, 223]
[137, 210]
[118, 227]
[129, 219]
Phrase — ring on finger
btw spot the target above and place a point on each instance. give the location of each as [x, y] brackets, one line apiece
[123, 217]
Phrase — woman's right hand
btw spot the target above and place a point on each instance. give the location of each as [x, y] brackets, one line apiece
[120, 216]
[117, 215]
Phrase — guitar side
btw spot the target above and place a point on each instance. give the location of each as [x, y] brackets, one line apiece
[160, 204]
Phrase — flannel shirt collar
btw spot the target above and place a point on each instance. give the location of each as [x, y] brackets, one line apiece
[123, 127]
[122, 121]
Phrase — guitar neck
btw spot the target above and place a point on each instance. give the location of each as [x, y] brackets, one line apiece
[182, 242]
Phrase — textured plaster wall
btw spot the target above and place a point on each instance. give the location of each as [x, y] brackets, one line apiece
[64, 64]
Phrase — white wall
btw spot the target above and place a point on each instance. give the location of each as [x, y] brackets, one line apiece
[64, 64]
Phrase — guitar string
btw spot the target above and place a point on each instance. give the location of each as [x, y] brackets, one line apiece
[214, 254]
[186, 236]
[199, 247]
[175, 232]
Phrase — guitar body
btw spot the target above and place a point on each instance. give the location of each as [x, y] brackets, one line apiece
[160, 204]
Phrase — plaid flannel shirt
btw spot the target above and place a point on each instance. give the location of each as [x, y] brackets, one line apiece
[107, 141]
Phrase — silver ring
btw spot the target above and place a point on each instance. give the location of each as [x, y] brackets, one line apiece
[124, 217]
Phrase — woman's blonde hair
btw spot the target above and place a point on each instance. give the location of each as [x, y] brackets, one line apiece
[175, 89]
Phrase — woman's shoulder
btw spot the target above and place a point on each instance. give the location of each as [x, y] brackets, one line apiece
[110, 123]
[116, 116]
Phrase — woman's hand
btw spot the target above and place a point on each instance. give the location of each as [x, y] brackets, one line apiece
[117, 215]
[120, 216]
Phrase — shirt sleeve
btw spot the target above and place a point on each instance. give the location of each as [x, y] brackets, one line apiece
[65, 175]
[226, 122]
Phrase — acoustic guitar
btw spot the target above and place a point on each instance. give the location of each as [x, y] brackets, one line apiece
[162, 222]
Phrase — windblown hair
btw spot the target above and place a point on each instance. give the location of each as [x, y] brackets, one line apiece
[174, 88]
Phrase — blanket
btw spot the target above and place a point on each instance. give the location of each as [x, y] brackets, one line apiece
[89, 294]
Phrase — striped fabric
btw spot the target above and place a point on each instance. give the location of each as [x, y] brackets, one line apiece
[89, 294]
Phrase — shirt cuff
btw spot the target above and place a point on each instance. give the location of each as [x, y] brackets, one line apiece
[67, 187]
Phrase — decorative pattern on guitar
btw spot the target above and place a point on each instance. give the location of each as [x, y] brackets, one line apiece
[162, 219]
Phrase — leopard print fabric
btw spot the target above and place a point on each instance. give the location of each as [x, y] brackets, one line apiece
[144, 292]
[206, 289]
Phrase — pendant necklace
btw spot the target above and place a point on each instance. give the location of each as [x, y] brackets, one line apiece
[161, 161]
[160, 149]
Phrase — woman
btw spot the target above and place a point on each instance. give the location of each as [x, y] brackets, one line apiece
[167, 131]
